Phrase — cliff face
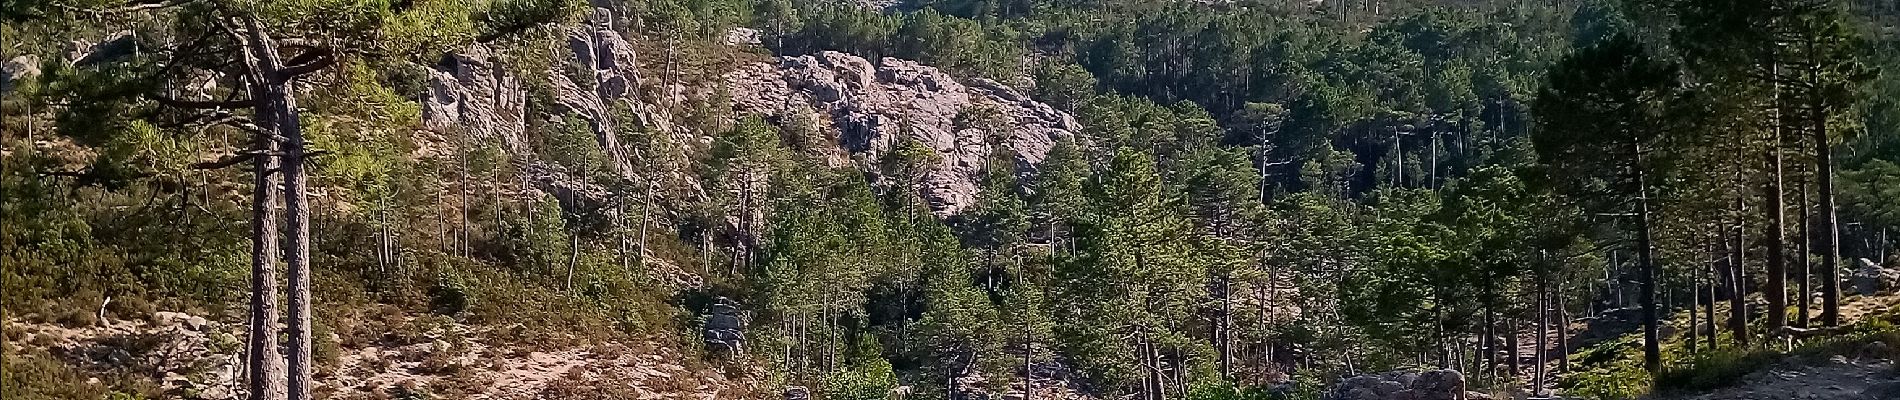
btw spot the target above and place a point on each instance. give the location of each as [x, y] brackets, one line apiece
[868, 107]
[864, 107]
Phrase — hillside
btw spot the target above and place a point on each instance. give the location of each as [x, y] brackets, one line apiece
[948, 199]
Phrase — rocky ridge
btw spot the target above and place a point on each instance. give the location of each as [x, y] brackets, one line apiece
[870, 106]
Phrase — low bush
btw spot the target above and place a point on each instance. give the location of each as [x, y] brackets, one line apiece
[1726, 367]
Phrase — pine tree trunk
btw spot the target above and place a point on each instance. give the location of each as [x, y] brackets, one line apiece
[1695, 323]
[1830, 222]
[265, 362]
[1490, 342]
[462, 158]
[1708, 310]
[1738, 272]
[297, 253]
[1514, 359]
[573, 258]
[1543, 333]
[276, 112]
[1805, 265]
[1226, 327]
[1029, 374]
[1652, 325]
[1563, 329]
[646, 212]
[1777, 268]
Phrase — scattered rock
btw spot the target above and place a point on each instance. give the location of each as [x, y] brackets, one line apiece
[188, 321]
[1439, 385]
[725, 327]
[970, 387]
[1876, 349]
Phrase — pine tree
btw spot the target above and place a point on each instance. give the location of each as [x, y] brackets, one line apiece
[1601, 122]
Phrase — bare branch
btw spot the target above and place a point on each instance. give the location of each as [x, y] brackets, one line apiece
[311, 60]
[200, 104]
[130, 7]
[225, 161]
[235, 159]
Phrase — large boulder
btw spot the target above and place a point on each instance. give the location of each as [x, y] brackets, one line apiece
[1401, 385]
[113, 48]
[725, 327]
[797, 393]
[1871, 278]
[19, 68]
[871, 107]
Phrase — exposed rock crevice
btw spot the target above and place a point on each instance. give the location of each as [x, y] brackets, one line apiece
[471, 94]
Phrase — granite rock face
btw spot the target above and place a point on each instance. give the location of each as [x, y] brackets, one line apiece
[471, 94]
[19, 68]
[872, 106]
[607, 82]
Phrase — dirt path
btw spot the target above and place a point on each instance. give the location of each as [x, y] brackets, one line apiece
[1838, 379]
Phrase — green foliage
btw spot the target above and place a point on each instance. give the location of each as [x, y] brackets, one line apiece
[574, 147]
[428, 28]
[1226, 152]
[871, 380]
[1609, 370]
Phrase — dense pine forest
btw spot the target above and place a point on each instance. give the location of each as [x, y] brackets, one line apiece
[944, 199]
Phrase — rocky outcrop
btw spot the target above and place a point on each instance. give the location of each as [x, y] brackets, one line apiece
[113, 48]
[872, 106]
[605, 81]
[725, 327]
[1403, 385]
[470, 94]
[1871, 278]
[18, 68]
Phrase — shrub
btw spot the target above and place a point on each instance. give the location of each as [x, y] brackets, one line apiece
[1715, 369]
[870, 380]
